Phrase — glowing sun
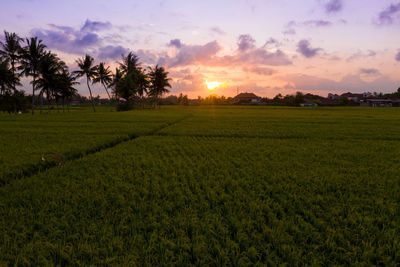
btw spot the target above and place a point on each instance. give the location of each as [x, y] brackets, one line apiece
[213, 85]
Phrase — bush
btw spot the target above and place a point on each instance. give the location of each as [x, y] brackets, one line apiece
[16, 102]
[124, 106]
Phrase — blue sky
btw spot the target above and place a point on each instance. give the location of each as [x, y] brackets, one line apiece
[267, 47]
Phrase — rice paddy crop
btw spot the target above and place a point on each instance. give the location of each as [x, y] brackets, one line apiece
[211, 186]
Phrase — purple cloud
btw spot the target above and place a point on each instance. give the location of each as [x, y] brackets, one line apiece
[111, 52]
[318, 23]
[272, 42]
[193, 54]
[359, 54]
[387, 16]
[289, 32]
[81, 40]
[245, 42]
[217, 31]
[334, 6]
[63, 39]
[370, 71]
[175, 43]
[87, 40]
[398, 56]
[93, 26]
[304, 48]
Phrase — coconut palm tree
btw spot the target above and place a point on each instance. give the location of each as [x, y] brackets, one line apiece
[31, 55]
[143, 84]
[11, 50]
[87, 69]
[65, 86]
[115, 80]
[103, 76]
[49, 68]
[129, 64]
[7, 78]
[159, 82]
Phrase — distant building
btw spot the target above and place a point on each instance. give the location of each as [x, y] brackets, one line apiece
[246, 98]
[353, 97]
[381, 103]
[333, 96]
[308, 103]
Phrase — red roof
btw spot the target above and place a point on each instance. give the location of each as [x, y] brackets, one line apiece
[246, 95]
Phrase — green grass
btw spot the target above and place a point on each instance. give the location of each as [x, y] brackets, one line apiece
[214, 186]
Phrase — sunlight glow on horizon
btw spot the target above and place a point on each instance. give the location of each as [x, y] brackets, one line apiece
[211, 86]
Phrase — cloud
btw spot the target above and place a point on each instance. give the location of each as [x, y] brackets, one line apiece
[398, 56]
[94, 26]
[245, 42]
[175, 43]
[334, 6]
[66, 39]
[361, 55]
[304, 48]
[87, 39]
[217, 30]
[111, 52]
[272, 42]
[352, 83]
[388, 16]
[290, 31]
[260, 70]
[207, 55]
[369, 71]
[317, 23]
[193, 54]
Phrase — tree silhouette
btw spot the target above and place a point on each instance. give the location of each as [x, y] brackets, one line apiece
[129, 64]
[103, 76]
[50, 66]
[115, 80]
[87, 69]
[7, 78]
[32, 53]
[159, 82]
[132, 79]
[65, 86]
[11, 49]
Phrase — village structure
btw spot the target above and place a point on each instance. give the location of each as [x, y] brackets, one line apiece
[310, 100]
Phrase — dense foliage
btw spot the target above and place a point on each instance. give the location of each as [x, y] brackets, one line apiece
[207, 186]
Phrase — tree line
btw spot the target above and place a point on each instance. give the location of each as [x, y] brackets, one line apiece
[129, 85]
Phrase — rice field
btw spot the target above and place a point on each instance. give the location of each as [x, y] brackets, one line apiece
[201, 186]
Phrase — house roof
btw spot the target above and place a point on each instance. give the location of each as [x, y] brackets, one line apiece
[352, 95]
[246, 95]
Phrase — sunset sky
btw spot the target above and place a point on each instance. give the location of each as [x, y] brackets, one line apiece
[261, 46]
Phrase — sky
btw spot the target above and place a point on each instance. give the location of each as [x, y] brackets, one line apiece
[261, 46]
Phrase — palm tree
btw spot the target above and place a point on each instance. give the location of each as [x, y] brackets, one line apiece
[159, 82]
[87, 69]
[115, 80]
[11, 50]
[65, 86]
[7, 78]
[50, 66]
[31, 56]
[143, 84]
[129, 64]
[103, 76]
